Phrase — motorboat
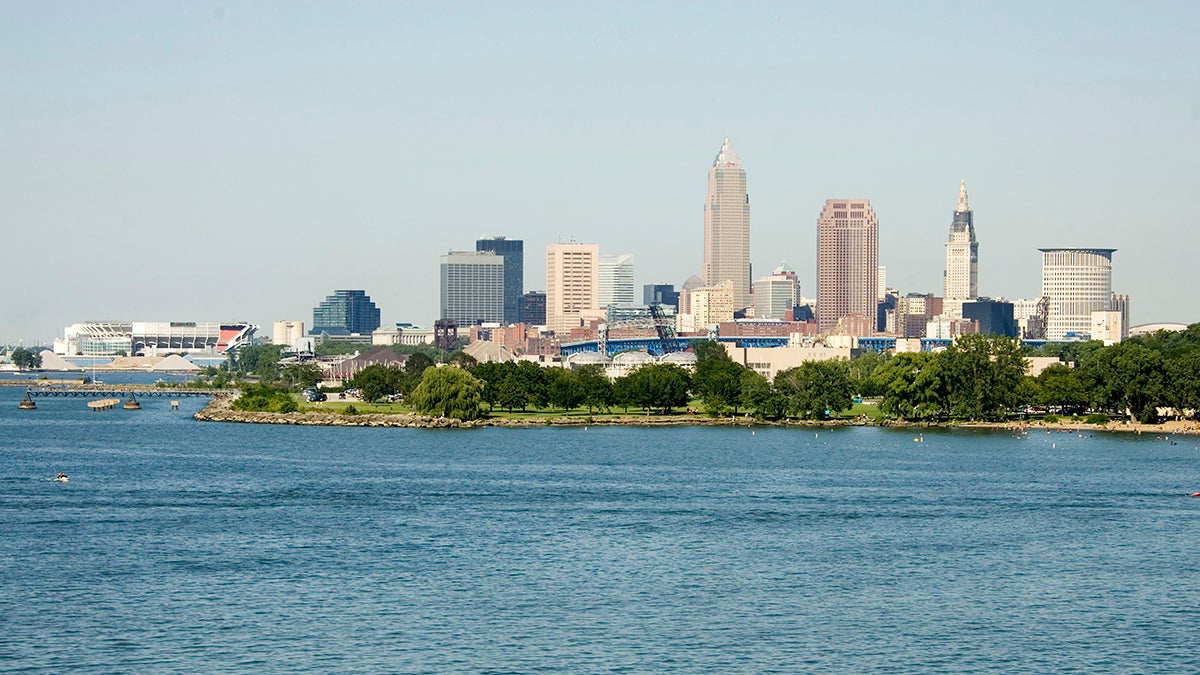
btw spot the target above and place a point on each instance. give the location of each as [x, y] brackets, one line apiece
[61, 478]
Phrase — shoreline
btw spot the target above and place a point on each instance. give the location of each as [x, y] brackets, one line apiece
[219, 410]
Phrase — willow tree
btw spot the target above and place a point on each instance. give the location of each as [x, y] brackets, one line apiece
[448, 392]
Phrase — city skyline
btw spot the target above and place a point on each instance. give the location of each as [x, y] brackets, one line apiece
[181, 147]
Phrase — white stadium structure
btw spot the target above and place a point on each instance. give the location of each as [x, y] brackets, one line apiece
[151, 338]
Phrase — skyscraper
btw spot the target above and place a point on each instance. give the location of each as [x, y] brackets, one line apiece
[616, 280]
[727, 226]
[345, 313]
[572, 285]
[847, 262]
[775, 295]
[1075, 283]
[513, 251]
[472, 287]
[962, 258]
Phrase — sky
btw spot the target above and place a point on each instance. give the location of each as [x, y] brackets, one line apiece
[200, 161]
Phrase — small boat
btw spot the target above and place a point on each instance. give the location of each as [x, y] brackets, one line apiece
[61, 478]
[1195, 494]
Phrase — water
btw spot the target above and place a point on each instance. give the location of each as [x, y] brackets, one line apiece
[181, 546]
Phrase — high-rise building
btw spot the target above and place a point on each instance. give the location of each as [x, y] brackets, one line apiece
[660, 294]
[962, 258]
[572, 285]
[473, 287]
[775, 295]
[847, 262]
[710, 306]
[1075, 282]
[616, 280]
[995, 317]
[287, 332]
[513, 251]
[727, 226]
[533, 308]
[346, 312]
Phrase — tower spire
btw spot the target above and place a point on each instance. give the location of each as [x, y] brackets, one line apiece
[962, 197]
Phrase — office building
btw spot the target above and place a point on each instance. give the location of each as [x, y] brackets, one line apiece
[616, 280]
[994, 317]
[727, 226]
[1075, 282]
[513, 251]
[775, 295]
[344, 313]
[660, 294]
[710, 306]
[533, 308]
[472, 287]
[961, 280]
[572, 286]
[847, 263]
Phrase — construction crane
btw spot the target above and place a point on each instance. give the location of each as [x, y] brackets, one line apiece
[666, 331]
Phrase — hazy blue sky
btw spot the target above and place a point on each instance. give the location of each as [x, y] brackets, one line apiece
[229, 161]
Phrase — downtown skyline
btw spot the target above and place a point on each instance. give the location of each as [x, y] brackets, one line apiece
[240, 163]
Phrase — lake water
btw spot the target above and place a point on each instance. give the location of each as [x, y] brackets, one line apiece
[180, 546]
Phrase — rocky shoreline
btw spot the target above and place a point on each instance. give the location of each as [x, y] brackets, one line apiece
[219, 410]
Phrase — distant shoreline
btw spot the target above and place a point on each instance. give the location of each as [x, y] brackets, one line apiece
[219, 410]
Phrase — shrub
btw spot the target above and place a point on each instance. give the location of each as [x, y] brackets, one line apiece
[1050, 419]
[1097, 418]
[350, 410]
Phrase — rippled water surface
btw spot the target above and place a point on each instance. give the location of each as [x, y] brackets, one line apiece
[180, 546]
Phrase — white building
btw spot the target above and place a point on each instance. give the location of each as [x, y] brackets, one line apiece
[1076, 282]
[152, 338]
[616, 280]
[1108, 326]
[287, 333]
[775, 295]
[962, 259]
[472, 285]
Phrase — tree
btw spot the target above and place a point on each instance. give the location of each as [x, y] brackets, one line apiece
[654, 386]
[1126, 378]
[983, 376]
[1183, 382]
[912, 386]
[26, 359]
[490, 373]
[816, 389]
[448, 392]
[462, 359]
[862, 371]
[759, 395]
[513, 393]
[718, 382]
[706, 350]
[1060, 387]
[306, 374]
[377, 381]
[597, 388]
[565, 390]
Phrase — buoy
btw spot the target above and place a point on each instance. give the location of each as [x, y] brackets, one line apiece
[27, 403]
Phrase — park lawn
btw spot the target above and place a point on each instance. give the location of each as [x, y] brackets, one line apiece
[871, 410]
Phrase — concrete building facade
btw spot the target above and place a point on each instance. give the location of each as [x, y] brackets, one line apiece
[1075, 282]
[727, 226]
[847, 263]
[472, 287]
[513, 251]
[572, 285]
[961, 280]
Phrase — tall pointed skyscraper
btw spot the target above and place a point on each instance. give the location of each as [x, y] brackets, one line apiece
[727, 226]
[962, 259]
